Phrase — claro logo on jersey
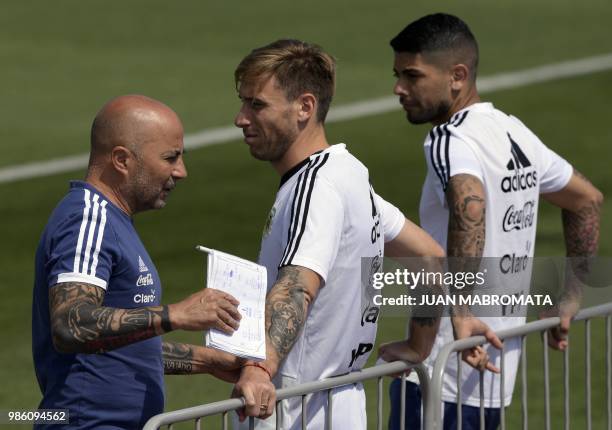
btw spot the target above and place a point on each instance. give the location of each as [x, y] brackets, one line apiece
[524, 176]
[519, 219]
[145, 298]
[510, 264]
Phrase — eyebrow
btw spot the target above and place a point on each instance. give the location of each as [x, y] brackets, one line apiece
[174, 152]
[407, 70]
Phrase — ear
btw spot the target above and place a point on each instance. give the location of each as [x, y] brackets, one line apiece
[307, 106]
[460, 75]
[121, 157]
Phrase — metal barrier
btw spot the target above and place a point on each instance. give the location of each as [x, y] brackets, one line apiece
[432, 388]
[433, 408]
[225, 406]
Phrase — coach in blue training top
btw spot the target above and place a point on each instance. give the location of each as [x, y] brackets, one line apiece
[97, 312]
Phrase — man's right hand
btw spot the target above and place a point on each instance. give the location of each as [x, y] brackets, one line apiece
[258, 391]
[477, 357]
[208, 308]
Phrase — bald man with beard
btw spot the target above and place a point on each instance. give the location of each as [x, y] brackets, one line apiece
[97, 314]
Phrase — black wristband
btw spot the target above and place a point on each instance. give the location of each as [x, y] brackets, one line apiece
[165, 319]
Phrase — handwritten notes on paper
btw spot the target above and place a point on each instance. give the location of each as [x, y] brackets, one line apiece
[246, 281]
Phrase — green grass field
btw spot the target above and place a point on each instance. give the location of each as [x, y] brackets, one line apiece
[62, 60]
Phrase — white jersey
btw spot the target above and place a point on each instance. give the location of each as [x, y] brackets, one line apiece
[515, 167]
[326, 218]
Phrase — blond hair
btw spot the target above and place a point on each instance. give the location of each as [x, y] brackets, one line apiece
[298, 67]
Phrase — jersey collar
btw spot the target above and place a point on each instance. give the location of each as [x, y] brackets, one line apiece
[82, 185]
[338, 148]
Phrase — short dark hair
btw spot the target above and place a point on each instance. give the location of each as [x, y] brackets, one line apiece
[439, 32]
[298, 67]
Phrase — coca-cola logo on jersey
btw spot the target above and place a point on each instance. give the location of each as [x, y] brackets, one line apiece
[519, 219]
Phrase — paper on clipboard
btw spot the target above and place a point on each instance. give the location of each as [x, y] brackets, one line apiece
[247, 282]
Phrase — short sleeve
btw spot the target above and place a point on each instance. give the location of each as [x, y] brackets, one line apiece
[463, 160]
[449, 155]
[555, 170]
[315, 228]
[392, 218]
[83, 248]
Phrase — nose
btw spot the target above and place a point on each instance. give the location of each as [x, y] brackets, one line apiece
[180, 171]
[241, 120]
[399, 90]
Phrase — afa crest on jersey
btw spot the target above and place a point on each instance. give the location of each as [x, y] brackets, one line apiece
[268, 225]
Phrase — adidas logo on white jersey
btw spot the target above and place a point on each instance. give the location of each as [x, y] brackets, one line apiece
[520, 179]
[142, 267]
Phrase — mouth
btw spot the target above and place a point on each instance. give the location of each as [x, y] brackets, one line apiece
[168, 187]
[406, 105]
[250, 137]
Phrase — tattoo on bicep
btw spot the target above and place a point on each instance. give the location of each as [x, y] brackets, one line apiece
[178, 358]
[467, 210]
[286, 308]
[81, 324]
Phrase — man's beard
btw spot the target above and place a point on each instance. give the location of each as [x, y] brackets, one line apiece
[430, 115]
[276, 148]
[144, 195]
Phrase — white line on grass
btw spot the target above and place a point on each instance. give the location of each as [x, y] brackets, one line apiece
[350, 111]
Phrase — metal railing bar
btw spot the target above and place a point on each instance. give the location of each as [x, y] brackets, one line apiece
[566, 388]
[481, 411]
[502, 387]
[329, 410]
[459, 345]
[304, 412]
[310, 387]
[432, 403]
[587, 347]
[379, 403]
[524, 404]
[459, 393]
[403, 402]
[608, 371]
[423, 375]
[546, 380]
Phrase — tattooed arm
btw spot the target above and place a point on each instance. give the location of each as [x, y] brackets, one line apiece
[286, 309]
[465, 197]
[79, 322]
[580, 204]
[412, 241]
[466, 219]
[183, 359]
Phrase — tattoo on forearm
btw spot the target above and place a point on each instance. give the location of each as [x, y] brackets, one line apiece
[286, 308]
[581, 231]
[467, 210]
[80, 324]
[178, 358]
[581, 228]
